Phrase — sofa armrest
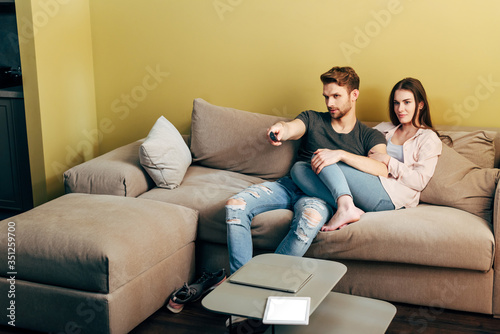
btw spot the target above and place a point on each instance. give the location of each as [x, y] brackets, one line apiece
[117, 172]
[496, 260]
[496, 226]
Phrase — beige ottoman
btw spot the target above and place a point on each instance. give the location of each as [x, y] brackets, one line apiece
[93, 263]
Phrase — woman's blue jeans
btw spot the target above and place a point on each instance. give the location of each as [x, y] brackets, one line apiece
[340, 179]
[310, 214]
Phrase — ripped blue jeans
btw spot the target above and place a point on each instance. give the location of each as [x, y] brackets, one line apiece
[310, 214]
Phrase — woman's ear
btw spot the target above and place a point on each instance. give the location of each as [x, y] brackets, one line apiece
[421, 105]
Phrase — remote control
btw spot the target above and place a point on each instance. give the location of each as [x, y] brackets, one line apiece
[273, 136]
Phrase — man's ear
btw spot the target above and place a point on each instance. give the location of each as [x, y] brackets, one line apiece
[354, 94]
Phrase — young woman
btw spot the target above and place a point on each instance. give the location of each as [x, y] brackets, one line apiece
[413, 148]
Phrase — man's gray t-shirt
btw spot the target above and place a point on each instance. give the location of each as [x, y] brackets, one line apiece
[320, 134]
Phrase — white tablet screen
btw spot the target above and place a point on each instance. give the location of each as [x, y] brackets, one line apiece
[287, 310]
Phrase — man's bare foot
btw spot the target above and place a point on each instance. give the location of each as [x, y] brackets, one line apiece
[343, 217]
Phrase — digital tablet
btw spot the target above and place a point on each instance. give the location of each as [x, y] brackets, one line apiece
[287, 310]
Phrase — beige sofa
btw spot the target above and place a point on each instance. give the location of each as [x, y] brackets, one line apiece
[441, 254]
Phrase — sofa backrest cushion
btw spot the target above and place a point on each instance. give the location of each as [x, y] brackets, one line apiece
[478, 138]
[458, 182]
[235, 140]
[477, 146]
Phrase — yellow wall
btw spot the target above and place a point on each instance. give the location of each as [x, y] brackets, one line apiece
[56, 56]
[104, 71]
[31, 101]
[266, 56]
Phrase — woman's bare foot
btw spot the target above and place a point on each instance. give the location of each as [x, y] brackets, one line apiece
[346, 213]
[342, 218]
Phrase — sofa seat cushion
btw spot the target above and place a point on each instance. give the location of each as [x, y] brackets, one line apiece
[96, 243]
[426, 235]
[207, 190]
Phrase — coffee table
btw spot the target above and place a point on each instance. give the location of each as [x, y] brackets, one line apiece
[330, 312]
[344, 314]
[248, 301]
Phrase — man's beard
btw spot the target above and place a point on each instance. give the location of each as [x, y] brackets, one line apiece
[342, 111]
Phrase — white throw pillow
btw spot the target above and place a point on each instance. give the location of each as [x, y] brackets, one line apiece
[165, 155]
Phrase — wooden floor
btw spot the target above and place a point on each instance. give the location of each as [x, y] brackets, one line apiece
[409, 319]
